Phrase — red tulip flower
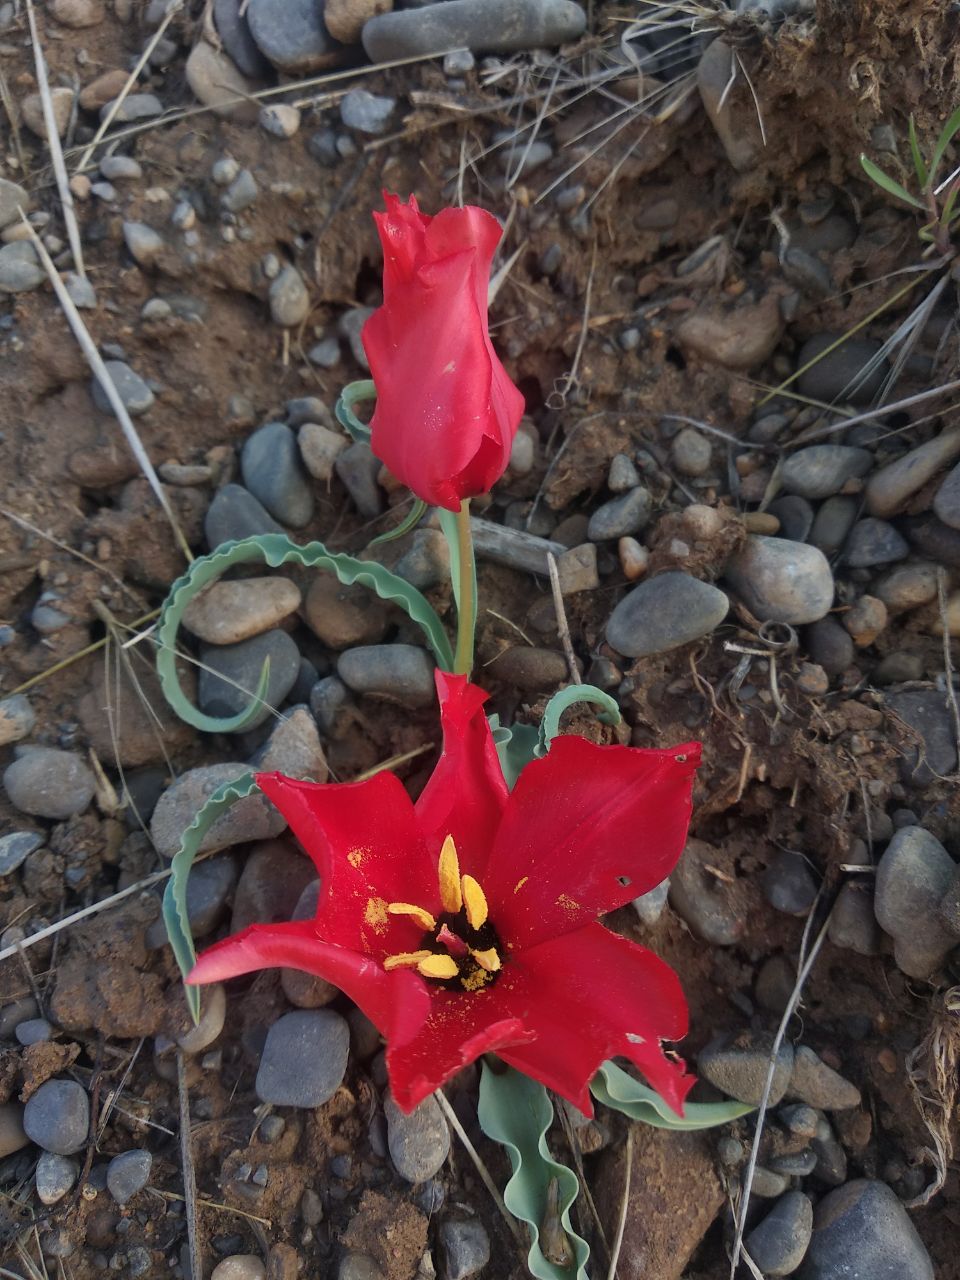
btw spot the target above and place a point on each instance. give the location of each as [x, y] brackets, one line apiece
[467, 922]
[446, 410]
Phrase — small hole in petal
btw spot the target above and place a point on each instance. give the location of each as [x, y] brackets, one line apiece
[624, 880]
[681, 759]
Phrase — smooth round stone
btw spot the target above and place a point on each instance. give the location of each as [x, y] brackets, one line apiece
[289, 301]
[120, 168]
[861, 1231]
[17, 718]
[691, 452]
[912, 876]
[231, 673]
[925, 711]
[235, 514]
[293, 748]
[20, 270]
[228, 612]
[401, 672]
[897, 667]
[795, 515]
[497, 26]
[907, 587]
[273, 879]
[840, 375]
[48, 783]
[359, 1266]
[853, 924]
[57, 1117]
[946, 505]
[358, 468]
[127, 1174]
[252, 818]
[366, 112]
[12, 1135]
[15, 848]
[134, 393]
[466, 1247]
[280, 120]
[234, 30]
[273, 473]
[344, 616]
[621, 516]
[778, 1243]
[31, 111]
[33, 1031]
[872, 542]
[788, 884]
[822, 470]
[865, 619]
[665, 612]
[55, 1176]
[241, 193]
[209, 886]
[291, 34]
[530, 668]
[328, 697]
[650, 906]
[738, 1065]
[319, 448]
[216, 81]
[782, 581]
[623, 475]
[135, 106]
[304, 1059]
[143, 243]
[241, 1266]
[889, 490]
[13, 198]
[818, 1085]
[418, 1142]
[832, 523]
[708, 908]
[426, 563]
[213, 1013]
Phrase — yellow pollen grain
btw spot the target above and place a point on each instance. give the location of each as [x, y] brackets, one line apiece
[475, 902]
[403, 959]
[489, 960]
[449, 872]
[520, 883]
[474, 981]
[423, 918]
[566, 903]
[375, 914]
[434, 966]
[355, 857]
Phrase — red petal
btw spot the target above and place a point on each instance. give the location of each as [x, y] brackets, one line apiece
[396, 1002]
[401, 229]
[591, 996]
[466, 792]
[364, 840]
[575, 824]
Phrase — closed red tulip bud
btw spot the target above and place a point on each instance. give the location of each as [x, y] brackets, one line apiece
[446, 410]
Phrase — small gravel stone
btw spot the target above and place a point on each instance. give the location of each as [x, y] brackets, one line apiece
[325, 354]
[778, 1243]
[358, 469]
[143, 243]
[865, 619]
[665, 612]
[235, 514]
[20, 270]
[889, 489]
[530, 667]
[738, 1065]
[788, 884]
[31, 111]
[946, 504]
[228, 612]
[272, 472]
[498, 26]
[466, 1247]
[418, 1142]
[33, 1031]
[861, 1231]
[210, 884]
[55, 1177]
[241, 1266]
[120, 168]
[907, 587]
[127, 1174]
[400, 672]
[135, 106]
[304, 1059]
[241, 193]
[650, 906]
[853, 924]
[823, 469]
[77, 13]
[81, 292]
[925, 710]
[350, 326]
[252, 818]
[701, 900]
[839, 375]
[691, 452]
[289, 299]
[800, 1120]
[913, 875]
[48, 783]
[795, 515]
[328, 697]
[134, 393]
[15, 848]
[832, 523]
[216, 81]
[13, 198]
[818, 1085]
[230, 674]
[620, 516]
[280, 119]
[873, 542]
[344, 616]
[17, 718]
[623, 475]
[234, 31]
[291, 34]
[293, 748]
[359, 1266]
[319, 448]
[57, 1117]
[634, 558]
[366, 112]
[782, 581]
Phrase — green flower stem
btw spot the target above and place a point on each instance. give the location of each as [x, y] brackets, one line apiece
[467, 603]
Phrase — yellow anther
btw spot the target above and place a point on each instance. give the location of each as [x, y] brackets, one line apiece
[449, 871]
[404, 959]
[489, 960]
[434, 966]
[475, 902]
[423, 918]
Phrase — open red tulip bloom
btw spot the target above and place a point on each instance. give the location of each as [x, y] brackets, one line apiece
[467, 922]
[446, 410]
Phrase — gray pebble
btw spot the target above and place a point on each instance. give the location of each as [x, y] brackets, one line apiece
[782, 581]
[778, 1243]
[304, 1059]
[328, 697]
[946, 504]
[57, 1117]
[359, 1266]
[252, 818]
[818, 1085]
[117, 168]
[291, 34]
[127, 1174]
[832, 523]
[401, 672]
[13, 198]
[55, 1177]
[788, 884]
[210, 885]
[665, 612]
[912, 876]
[840, 375]
[701, 900]
[738, 1065]
[235, 514]
[466, 1247]
[518, 156]
[872, 542]
[426, 563]
[800, 1119]
[81, 292]
[280, 119]
[650, 906]
[241, 193]
[289, 299]
[358, 468]
[366, 112]
[829, 645]
[831, 1166]
[350, 326]
[17, 718]
[48, 783]
[795, 515]
[20, 269]
[33, 1031]
[623, 475]
[621, 516]
[821, 470]
[134, 393]
[231, 672]
[224, 170]
[418, 1142]
[889, 489]
[325, 354]
[861, 1231]
[274, 474]
[926, 711]
[234, 30]
[691, 452]
[15, 848]
[853, 924]
[143, 243]
[293, 747]
[497, 26]
[135, 106]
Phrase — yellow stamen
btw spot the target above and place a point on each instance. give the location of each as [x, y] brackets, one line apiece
[475, 902]
[404, 958]
[434, 966]
[423, 918]
[488, 960]
[449, 871]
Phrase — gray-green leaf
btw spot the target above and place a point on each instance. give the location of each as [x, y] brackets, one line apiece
[616, 1088]
[353, 393]
[563, 699]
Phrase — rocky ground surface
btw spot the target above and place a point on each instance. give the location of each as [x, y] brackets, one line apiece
[776, 574]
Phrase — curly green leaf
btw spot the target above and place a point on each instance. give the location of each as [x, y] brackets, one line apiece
[517, 1112]
[568, 697]
[175, 897]
[275, 549]
[412, 520]
[516, 746]
[615, 1088]
[352, 394]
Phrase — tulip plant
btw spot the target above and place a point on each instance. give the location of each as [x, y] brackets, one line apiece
[466, 924]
